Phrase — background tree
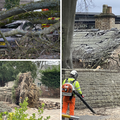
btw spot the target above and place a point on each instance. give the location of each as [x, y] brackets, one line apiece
[11, 3]
[68, 16]
[10, 69]
[51, 77]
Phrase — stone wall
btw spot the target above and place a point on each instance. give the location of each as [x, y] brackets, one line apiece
[105, 23]
[101, 88]
[6, 94]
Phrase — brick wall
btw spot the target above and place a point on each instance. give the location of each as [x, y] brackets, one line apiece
[101, 88]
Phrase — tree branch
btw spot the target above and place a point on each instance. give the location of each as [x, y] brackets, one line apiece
[31, 33]
[8, 45]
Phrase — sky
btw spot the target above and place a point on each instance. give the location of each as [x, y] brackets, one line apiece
[96, 6]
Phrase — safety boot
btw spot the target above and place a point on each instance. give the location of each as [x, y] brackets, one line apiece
[63, 118]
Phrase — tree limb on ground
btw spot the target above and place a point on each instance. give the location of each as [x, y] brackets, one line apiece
[30, 7]
[32, 33]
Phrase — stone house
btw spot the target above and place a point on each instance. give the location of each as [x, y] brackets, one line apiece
[106, 20]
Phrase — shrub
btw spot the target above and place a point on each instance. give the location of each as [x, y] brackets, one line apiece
[19, 113]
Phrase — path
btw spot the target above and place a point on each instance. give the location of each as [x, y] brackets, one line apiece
[108, 114]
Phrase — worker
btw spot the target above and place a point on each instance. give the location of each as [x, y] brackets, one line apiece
[70, 100]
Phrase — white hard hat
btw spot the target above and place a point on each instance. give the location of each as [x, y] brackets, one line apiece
[74, 73]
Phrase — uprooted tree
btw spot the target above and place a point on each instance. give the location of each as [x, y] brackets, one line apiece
[24, 87]
[33, 44]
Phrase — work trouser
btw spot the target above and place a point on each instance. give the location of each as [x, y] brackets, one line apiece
[66, 101]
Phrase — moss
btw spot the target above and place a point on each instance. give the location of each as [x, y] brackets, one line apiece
[30, 16]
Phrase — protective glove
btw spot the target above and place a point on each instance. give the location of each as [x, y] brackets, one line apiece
[82, 96]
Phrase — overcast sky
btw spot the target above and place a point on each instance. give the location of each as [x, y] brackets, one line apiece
[96, 6]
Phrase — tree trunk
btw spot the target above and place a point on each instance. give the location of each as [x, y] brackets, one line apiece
[30, 7]
[68, 16]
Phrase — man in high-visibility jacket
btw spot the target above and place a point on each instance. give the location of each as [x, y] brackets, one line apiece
[71, 99]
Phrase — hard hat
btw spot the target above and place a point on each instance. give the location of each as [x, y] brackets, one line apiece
[74, 73]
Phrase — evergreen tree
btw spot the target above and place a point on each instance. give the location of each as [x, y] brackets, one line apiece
[51, 77]
[10, 69]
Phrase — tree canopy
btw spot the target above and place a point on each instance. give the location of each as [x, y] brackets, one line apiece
[10, 69]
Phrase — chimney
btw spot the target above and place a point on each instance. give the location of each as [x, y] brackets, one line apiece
[109, 9]
[105, 9]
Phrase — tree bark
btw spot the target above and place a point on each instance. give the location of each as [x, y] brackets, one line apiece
[68, 16]
[30, 7]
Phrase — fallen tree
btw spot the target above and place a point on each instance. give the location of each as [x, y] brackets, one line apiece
[97, 49]
[24, 87]
[25, 45]
[33, 33]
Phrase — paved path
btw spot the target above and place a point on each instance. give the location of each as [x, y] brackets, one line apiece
[107, 113]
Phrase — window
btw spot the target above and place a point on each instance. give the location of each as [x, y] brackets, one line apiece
[39, 84]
